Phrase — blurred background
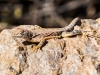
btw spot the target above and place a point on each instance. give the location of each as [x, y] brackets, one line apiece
[46, 13]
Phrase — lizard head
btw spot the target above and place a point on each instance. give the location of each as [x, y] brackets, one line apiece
[23, 33]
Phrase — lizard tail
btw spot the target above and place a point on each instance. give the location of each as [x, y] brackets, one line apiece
[75, 22]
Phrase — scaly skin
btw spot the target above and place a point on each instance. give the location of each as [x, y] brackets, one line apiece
[39, 34]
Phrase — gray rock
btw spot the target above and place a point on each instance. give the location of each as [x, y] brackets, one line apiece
[78, 55]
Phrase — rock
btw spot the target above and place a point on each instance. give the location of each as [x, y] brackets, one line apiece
[77, 55]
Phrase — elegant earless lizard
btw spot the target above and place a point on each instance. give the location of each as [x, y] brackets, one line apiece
[41, 34]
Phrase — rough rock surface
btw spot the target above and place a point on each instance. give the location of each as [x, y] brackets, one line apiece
[78, 55]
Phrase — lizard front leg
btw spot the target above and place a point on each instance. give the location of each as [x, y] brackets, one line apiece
[41, 43]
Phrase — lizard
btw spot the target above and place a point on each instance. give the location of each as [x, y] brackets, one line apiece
[40, 34]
